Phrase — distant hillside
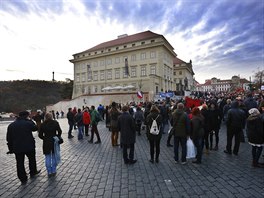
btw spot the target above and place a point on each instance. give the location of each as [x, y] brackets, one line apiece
[32, 94]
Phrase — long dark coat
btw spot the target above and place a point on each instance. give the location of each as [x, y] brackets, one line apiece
[151, 116]
[126, 126]
[255, 130]
[19, 135]
[49, 129]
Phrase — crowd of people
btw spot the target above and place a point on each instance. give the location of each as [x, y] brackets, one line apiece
[201, 122]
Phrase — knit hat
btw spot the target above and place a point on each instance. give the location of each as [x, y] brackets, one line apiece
[254, 111]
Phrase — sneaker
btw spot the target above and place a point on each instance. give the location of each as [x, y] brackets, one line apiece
[35, 174]
[196, 162]
[97, 142]
[23, 182]
[132, 161]
[151, 160]
[169, 145]
[157, 160]
[90, 141]
[176, 162]
[70, 136]
[227, 152]
[184, 163]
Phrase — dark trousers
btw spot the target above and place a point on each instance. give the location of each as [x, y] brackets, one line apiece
[256, 152]
[94, 130]
[199, 144]
[216, 133]
[20, 160]
[154, 144]
[182, 141]
[86, 129]
[206, 139]
[70, 128]
[138, 128]
[231, 132]
[131, 152]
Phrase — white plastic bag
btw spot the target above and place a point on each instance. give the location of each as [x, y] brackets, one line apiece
[190, 149]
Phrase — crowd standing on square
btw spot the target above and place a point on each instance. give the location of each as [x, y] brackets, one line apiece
[198, 122]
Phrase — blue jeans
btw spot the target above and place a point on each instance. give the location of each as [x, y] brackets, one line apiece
[50, 162]
[199, 144]
[80, 132]
[182, 141]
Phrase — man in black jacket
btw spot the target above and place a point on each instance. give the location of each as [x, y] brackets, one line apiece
[70, 117]
[235, 123]
[126, 126]
[20, 141]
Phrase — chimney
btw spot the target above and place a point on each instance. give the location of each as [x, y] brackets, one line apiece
[122, 36]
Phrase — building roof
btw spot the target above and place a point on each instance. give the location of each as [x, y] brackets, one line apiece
[178, 61]
[125, 39]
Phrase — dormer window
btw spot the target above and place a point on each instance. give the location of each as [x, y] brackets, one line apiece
[117, 48]
[142, 43]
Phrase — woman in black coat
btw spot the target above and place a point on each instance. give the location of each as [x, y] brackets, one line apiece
[154, 140]
[48, 130]
[214, 121]
[255, 135]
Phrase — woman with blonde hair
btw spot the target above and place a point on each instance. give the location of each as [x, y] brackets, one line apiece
[154, 140]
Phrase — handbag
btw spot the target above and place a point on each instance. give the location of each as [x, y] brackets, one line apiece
[190, 149]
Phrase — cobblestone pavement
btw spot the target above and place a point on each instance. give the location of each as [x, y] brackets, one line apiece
[97, 170]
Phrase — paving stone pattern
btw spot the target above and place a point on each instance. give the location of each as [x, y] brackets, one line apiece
[97, 170]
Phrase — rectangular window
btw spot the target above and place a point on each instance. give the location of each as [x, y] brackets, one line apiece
[95, 76]
[152, 54]
[143, 56]
[180, 72]
[109, 61]
[133, 72]
[95, 89]
[101, 75]
[102, 63]
[153, 69]
[117, 73]
[109, 74]
[133, 57]
[95, 64]
[124, 73]
[143, 71]
[117, 60]
[77, 77]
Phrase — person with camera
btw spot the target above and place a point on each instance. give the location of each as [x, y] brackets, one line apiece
[21, 142]
[50, 132]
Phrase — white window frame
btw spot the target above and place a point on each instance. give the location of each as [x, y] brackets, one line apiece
[143, 71]
[143, 56]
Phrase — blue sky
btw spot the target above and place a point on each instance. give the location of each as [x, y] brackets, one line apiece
[222, 37]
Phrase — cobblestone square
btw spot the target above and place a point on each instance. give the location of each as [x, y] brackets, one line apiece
[97, 170]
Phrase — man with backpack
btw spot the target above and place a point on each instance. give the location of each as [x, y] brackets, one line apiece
[95, 118]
